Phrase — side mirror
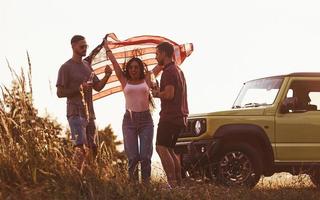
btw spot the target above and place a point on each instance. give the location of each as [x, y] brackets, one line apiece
[288, 104]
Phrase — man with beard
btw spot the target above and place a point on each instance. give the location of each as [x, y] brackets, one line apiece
[173, 114]
[76, 80]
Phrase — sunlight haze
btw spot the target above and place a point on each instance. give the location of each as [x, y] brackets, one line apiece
[234, 41]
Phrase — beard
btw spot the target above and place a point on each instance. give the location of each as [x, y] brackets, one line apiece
[160, 62]
[83, 53]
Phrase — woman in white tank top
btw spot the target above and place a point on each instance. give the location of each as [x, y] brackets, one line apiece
[137, 121]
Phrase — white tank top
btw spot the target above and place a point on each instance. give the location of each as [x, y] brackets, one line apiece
[137, 97]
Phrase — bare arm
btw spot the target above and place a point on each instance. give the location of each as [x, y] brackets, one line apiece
[167, 93]
[100, 85]
[116, 66]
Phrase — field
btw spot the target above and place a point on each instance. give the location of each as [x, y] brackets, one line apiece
[35, 163]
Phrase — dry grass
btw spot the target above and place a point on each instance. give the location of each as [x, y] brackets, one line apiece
[36, 164]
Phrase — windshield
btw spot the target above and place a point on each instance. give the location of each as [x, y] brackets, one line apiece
[260, 92]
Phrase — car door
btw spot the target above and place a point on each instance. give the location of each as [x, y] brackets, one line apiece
[298, 130]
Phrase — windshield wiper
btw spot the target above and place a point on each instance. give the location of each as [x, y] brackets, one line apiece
[248, 105]
[236, 106]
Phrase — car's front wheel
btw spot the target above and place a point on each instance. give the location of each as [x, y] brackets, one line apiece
[239, 164]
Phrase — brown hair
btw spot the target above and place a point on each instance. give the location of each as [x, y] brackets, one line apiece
[142, 68]
[167, 48]
[76, 38]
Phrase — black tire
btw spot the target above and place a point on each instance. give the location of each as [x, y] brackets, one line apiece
[238, 164]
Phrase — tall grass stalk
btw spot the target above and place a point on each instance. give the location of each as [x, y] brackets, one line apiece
[35, 163]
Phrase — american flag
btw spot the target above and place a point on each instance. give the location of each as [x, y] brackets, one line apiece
[143, 47]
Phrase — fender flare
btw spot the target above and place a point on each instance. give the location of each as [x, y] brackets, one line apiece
[249, 131]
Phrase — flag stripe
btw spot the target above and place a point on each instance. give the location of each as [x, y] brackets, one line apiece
[148, 62]
[112, 79]
[106, 92]
[143, 47]
[127, 54]
[144, 39]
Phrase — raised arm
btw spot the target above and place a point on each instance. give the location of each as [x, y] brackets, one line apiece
[100, 85]
[116, 66]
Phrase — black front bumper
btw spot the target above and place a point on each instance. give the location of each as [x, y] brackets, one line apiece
[197, 154]
[197, 148]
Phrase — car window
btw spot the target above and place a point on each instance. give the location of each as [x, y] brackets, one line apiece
[315, 99]
[261, 95]
[260, 92]
[290, 93]
[306, 93]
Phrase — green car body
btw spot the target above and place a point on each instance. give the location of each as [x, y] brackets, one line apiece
[274, 126]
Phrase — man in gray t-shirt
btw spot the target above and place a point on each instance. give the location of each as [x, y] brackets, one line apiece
[75, 82]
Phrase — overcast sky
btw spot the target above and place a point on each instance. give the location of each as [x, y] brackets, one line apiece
[234, 41]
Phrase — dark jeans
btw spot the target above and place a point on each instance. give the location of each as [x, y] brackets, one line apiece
[138, 125]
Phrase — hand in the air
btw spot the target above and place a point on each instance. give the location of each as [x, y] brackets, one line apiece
[108, 70]
[106, 45]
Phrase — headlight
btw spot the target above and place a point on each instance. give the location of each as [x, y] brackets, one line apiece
[197, 127]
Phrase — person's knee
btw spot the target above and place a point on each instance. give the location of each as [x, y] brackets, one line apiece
[176, 157]
[145, 156]
[145, 160]
[146, 152]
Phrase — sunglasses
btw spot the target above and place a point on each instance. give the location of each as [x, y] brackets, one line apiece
[84, 46]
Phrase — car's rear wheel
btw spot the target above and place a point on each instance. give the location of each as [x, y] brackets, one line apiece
[239, 164]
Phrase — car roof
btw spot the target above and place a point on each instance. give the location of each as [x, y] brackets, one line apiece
[295, 74]
[303, 74]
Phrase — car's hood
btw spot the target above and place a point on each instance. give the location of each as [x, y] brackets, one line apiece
[233, 112]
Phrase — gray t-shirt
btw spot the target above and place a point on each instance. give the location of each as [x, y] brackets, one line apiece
[71, 75]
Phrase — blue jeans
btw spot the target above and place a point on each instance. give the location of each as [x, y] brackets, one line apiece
[138, 125]
[82, 132]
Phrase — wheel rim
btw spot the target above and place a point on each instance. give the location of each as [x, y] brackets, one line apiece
[236, 168]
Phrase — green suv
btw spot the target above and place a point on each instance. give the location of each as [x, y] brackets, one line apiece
[273, 126]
